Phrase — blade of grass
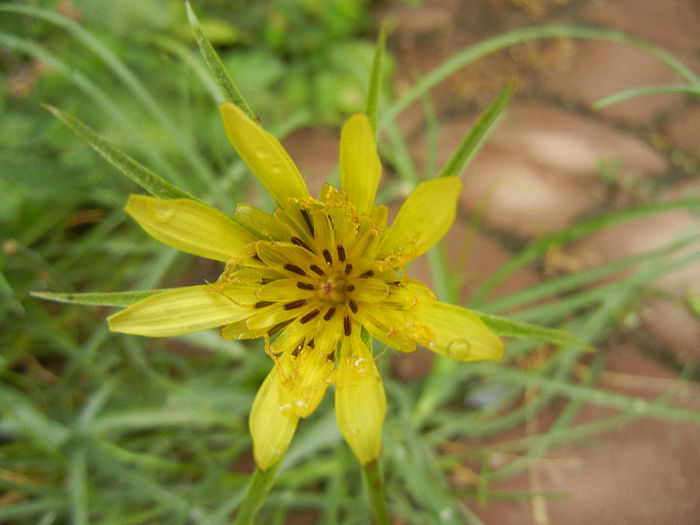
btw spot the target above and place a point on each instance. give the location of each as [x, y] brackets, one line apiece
[478, 133]
[558, 285]
[98, 95]
[646, 91]
[574, 233]
[127, 77]
[375, 79]
[228, 89]
[154, 184]
[503, 40]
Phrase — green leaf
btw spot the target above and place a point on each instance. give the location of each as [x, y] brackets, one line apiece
[99, 299]
[228, 89]
[478, 134]
[375, 80]
[645, 91]
[509, 328]
[152, 183]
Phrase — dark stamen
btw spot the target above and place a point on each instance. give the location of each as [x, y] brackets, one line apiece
[311, 344]
[327, 257]
[295, 304]
[316, 269]
[346, 325]
[309, 224]
[262, 304]
[309, 316]
[296, 351]
[272, 331]
[348, 269]
[353, 306]
[368, 273]
[329, 313]
[331, 356]
[256, 257]
[294, 268]
[350, 287]
[299, 242]
[305, 286]
[341, 253]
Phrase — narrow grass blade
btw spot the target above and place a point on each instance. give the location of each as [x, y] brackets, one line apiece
[478, 134]
[127, 77]
[99, 299]
[574, 233]
[375, 80]
[645, 91]
[228, 89]
[509, 328]
[504, 40]
[152, 183]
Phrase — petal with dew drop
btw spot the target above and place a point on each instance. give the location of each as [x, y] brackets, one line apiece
[271, 425]
[263, 154]
[360, 401]
[189, 226]
[456, 332]
[360, 168]
[424, 218]
[177, 312]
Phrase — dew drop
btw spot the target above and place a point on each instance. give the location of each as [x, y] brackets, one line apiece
[162, 215]
[459, 349]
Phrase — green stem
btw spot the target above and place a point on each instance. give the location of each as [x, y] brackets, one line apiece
[374, 485]
[260, 485]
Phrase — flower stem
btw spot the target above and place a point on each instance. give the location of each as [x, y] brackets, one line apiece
[374, 485]
[259, 486]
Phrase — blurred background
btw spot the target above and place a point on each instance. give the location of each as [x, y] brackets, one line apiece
[593, 212]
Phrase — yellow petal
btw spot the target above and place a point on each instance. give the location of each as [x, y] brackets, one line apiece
[189, 226]
[271, 425]
[456, 332]
[263, 154]
[360, 168]
[423, 219]
[306, 381]
[360, 402]
[177, 312]
[264, 224]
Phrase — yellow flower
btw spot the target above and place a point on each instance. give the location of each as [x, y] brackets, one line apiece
[309, 278]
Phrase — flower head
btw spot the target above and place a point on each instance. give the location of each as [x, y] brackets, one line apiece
[312, 278]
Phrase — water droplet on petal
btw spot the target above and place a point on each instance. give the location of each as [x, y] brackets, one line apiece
[459, 349]
[162, 214]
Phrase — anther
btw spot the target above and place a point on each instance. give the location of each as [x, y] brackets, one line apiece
[311, 344]
[329, 314]
[272, 331]
[295, 304]
[309, 224]
[341, 253]
[368, 273]
[299, 242]
[262, 304]
[327, 257]
[346, 325]
[316, 269]
[309, 316]
[348, 269]
[305, 286]
[294, 268]
[353, 306]
[350, 287]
